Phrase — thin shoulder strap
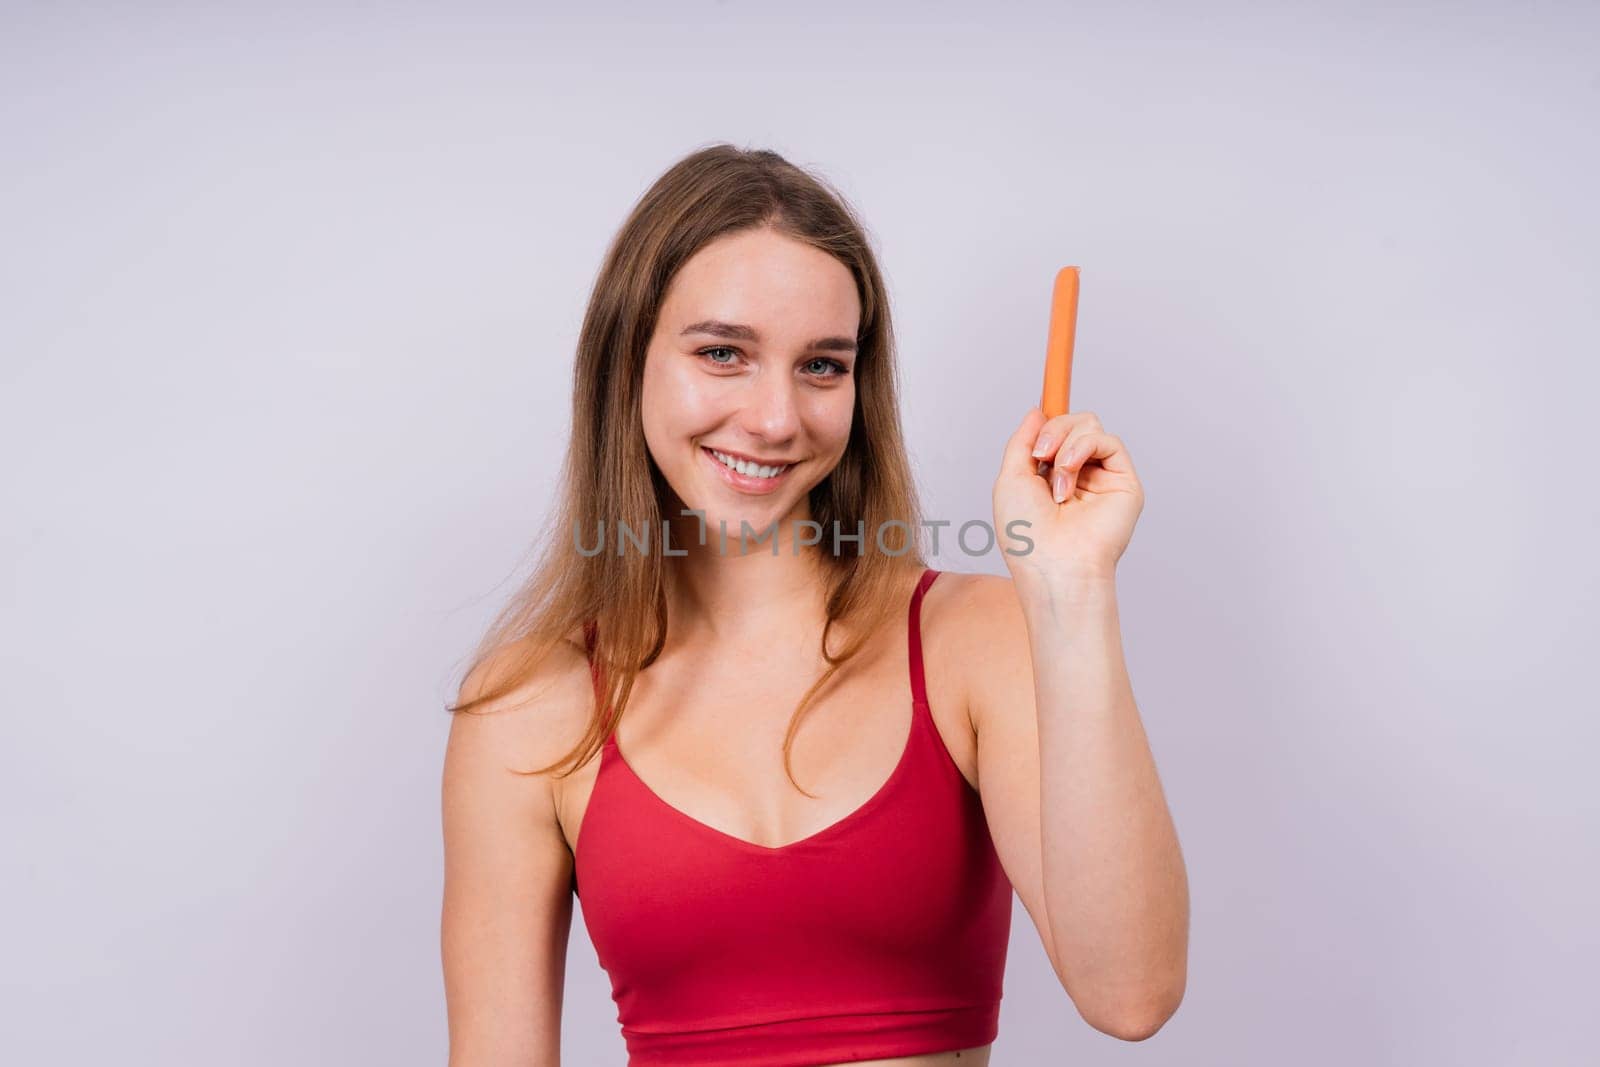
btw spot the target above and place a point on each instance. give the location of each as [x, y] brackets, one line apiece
[919, 689]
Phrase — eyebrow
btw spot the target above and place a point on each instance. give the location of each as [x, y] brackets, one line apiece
[735, 331]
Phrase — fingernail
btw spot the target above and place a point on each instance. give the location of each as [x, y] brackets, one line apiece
[1043, 445]
[1058, 486]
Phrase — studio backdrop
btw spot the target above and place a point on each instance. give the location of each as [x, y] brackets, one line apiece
[289, 298]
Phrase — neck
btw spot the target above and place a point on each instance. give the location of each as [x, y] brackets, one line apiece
[755, 600]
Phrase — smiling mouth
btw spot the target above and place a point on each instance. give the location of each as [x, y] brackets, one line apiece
[745, 474]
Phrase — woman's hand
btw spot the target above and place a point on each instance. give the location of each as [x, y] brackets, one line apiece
[1084, 535]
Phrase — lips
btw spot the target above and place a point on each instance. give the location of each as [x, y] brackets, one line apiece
[746, 483]
[757, 460]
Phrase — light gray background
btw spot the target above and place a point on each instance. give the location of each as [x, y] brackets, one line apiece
[289, 302]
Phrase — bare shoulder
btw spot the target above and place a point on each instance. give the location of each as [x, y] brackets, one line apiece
[507, 906]
[975, 626]
[974, 612]
[537, 720]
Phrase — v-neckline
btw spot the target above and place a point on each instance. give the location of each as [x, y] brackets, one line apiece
[918, 710]
[921, 717]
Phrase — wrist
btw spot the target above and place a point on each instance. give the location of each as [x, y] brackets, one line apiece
[1057, 586]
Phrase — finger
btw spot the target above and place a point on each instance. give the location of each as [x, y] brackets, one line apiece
[1075, 451]
[1055, 430]
[1110, 453]
[1103, 449]
[1016, 462]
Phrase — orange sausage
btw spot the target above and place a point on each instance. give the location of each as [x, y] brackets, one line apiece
[1058, 349]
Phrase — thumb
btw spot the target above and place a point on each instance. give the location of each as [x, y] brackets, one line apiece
[1018, 460]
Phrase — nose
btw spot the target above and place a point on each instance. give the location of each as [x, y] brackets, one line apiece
[771, 410]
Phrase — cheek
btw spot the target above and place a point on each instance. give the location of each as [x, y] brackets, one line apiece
[829, 417]
[676, 395]
[677, 406]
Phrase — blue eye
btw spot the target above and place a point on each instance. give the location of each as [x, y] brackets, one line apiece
[718, 348]
[817, 368]
[839, 369]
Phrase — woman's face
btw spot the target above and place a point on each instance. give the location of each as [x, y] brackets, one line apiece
[753, 357]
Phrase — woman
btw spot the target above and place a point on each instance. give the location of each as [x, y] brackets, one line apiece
[630, 729]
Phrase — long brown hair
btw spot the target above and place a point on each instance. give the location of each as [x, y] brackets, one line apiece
[618, 599]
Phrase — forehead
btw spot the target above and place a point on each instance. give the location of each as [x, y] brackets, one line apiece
[765, 279]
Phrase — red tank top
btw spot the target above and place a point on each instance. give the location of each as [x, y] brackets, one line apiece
[883, 934]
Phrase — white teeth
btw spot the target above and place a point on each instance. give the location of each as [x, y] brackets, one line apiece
[747, 469]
